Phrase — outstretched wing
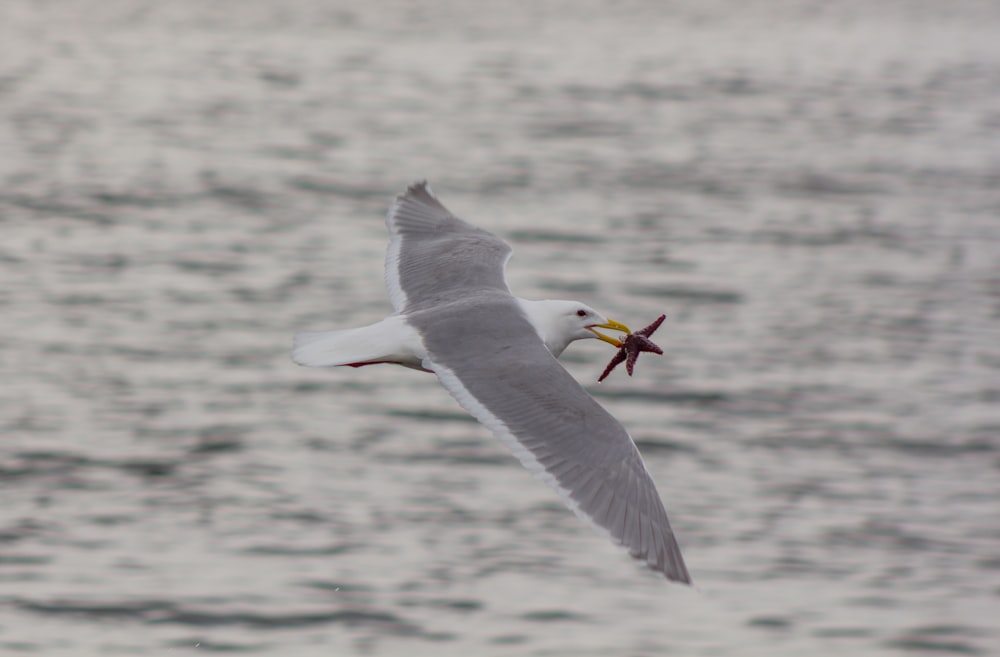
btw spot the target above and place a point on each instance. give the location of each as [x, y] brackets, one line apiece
[489, 357]
[435, 257]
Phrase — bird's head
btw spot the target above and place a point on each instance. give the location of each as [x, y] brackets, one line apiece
[582, 321]
[562, 322]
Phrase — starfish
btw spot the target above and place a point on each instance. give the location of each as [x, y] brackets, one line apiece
[634, 344]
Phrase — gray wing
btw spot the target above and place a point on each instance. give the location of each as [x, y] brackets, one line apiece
[435, 257]
[492, 361]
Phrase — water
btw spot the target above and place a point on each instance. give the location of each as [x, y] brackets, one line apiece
[811, 192]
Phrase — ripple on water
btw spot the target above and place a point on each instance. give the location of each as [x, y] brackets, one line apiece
[692, 294]
[942, 639]
[884, 535]
[156, 611]
[554, 616]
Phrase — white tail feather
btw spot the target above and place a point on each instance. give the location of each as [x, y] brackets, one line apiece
[308, 337]
[392, 340]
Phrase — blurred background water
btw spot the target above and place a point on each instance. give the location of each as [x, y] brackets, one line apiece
[809, 190]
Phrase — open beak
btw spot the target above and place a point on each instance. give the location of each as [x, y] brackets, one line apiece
[614, 326]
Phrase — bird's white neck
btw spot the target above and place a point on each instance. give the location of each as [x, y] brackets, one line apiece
[543, 315]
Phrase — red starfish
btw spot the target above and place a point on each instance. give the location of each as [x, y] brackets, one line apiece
[632, 346]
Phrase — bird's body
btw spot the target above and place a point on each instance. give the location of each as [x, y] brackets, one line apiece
[394, 339]
[496, 354]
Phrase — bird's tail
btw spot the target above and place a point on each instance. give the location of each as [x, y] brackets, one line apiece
[390, 341]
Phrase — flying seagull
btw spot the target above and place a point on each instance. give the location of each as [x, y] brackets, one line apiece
[496, 354]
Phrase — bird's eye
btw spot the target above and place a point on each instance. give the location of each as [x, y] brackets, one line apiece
[581, 313]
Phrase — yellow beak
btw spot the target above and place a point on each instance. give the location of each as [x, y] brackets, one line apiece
[614, 326]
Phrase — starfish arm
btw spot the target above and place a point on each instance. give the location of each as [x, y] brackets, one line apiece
[633, 355]
[648, 331]
[615, 361]
[643, 343]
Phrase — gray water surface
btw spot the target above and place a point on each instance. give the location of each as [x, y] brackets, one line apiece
[810, 191]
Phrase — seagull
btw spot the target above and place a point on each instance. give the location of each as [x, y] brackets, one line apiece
[495, 353]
